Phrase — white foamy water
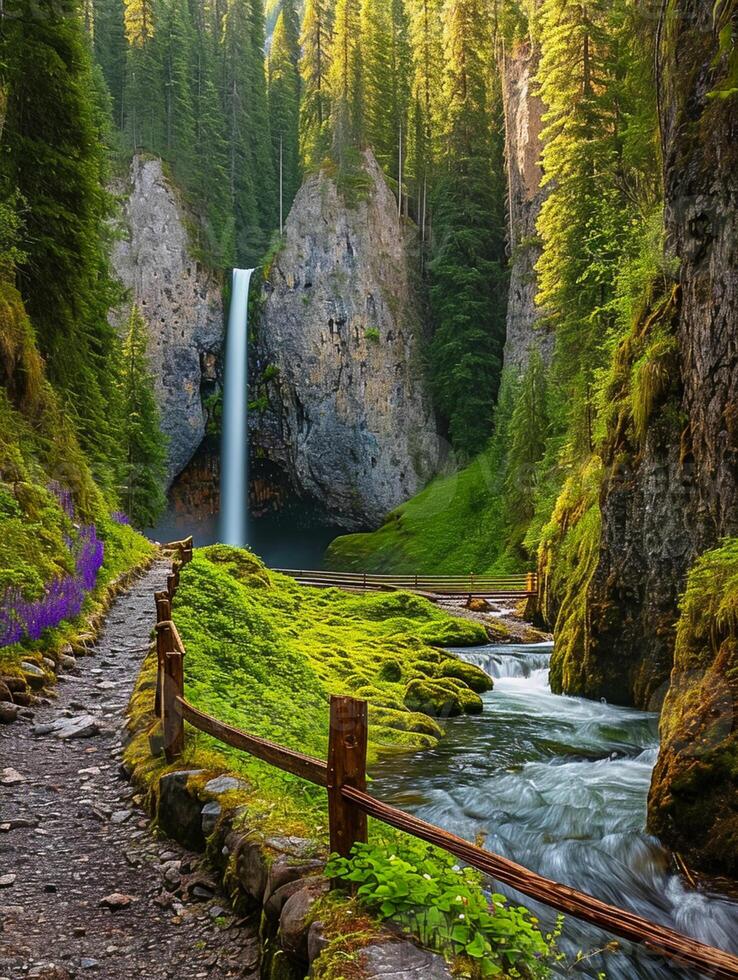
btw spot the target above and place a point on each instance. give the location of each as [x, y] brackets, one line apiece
[560, 785]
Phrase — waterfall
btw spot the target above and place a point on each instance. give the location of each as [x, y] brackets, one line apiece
[234, 456]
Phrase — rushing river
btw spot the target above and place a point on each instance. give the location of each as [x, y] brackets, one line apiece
[559, 784]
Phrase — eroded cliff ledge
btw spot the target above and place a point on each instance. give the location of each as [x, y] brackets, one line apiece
[179, 297]
[339, 398]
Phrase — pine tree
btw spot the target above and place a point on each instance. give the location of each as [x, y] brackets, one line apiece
[109, 45]
[261, 141]
[583, 223]
[209, 180]
[345, 80]
[316, 43]
[526, 444]
[426, 41]
[385, 58]
[248, 142]
[175, 40]
[284, 102]
[144, 446]
[143, 101]
[54, 154]
[468, 283]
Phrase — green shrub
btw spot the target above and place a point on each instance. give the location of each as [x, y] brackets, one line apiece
[424, 892]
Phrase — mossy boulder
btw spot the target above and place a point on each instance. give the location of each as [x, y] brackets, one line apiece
[474, 677]
[497, 631]
[404, 721]
[441, 698]
[391, 670]
[241, 564]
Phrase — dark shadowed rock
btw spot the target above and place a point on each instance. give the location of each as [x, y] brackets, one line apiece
[403, 961]
[180, 812]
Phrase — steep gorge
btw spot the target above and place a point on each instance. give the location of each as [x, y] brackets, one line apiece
[670, 486]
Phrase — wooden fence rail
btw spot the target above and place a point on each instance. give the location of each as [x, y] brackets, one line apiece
[349, 804]
[483, 586]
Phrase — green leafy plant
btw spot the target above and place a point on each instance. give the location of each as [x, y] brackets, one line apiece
[372, 334]
[422, 890]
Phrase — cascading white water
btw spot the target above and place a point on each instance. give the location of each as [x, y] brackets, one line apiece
[559, 784]
[234, 456]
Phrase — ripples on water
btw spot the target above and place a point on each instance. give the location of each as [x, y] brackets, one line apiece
[560, 784]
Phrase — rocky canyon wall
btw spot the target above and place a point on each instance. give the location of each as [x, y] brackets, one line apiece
[339, 396]
[523, 124]
[670, 488]
[180, 298]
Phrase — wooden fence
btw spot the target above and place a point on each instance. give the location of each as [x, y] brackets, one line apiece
[482, 586]
[343, 776]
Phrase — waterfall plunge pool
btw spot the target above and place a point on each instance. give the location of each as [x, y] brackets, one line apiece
[559, 784]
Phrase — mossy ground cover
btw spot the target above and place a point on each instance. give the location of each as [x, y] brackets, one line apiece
[47, 489]
[454, 526]
[265, 654]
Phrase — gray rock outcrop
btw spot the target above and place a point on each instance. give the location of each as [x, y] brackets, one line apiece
[179, 297]
[339, 379]
[523, 125]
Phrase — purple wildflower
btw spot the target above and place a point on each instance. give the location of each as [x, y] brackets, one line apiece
[63, 597]
[120, 517]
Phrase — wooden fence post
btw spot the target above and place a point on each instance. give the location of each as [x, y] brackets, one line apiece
[531, 585]
[346, 767]
[172, 688]
[163, 615]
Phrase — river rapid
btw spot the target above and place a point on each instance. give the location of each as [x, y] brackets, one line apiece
[559, 784]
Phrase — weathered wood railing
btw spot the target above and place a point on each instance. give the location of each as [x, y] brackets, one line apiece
[349, 804]
[483, 586]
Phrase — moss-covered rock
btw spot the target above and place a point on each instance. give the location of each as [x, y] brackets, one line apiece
[442, 697]
[404, 721]
[693, 803]
[474, 677]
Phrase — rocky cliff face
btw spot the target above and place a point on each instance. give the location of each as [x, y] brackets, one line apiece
[676, 495]
[338, 384]
[670, 492]
[180, 299]
[523, 115]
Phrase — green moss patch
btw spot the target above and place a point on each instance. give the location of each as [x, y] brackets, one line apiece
[454, 526]
[693, 804]
[265, 654]
[41, 458]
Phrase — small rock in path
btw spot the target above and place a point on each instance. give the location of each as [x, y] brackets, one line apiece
[7, 880]
[116, 901]
[10, 777]
[84, 726]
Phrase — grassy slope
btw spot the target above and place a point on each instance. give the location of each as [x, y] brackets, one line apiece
[453, 526]
[265, 654]
[38, 446]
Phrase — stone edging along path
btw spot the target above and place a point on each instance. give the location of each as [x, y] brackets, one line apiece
[86, 888]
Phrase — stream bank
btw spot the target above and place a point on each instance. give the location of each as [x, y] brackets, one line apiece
[559, 784]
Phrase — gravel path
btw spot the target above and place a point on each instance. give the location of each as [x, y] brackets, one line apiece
[74, 840]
